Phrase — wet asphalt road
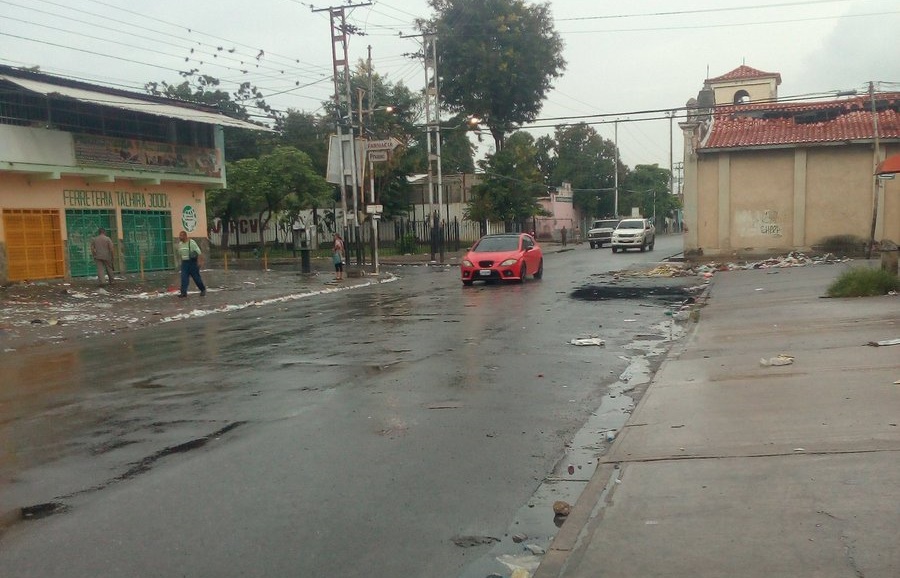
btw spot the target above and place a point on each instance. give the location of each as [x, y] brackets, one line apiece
[395, 430]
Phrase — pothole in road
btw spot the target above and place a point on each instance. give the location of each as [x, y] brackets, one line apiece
[607, 292]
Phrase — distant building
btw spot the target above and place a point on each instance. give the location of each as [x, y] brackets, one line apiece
[76, 156]
[559, 204]
[763, 175]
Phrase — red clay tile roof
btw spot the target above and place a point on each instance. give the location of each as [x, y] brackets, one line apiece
[779, 124]
[743, 71]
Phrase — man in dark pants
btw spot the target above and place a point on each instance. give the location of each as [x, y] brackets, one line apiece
[102, 252]
[189, 253]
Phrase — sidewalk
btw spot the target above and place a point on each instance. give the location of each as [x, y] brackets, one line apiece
[730, 468]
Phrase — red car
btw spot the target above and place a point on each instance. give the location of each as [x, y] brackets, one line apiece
[506, 257]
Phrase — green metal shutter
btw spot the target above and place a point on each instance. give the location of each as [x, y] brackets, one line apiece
[147, 236]
[82, 226]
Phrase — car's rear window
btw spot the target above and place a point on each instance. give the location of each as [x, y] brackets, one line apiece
[631, 224]
[491, 244]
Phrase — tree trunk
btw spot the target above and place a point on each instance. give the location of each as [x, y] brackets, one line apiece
[498, 135]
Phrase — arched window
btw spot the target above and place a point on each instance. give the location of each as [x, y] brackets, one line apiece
[741, 97]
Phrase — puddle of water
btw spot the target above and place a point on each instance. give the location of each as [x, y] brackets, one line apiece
[536, 521]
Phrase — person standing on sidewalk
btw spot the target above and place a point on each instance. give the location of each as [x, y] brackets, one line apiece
[189, 253]
[337, 257]
[102, 252]
[564, 234]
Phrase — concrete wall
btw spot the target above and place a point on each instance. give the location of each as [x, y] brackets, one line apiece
[778, 200]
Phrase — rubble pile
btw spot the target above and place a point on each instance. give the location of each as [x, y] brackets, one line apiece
[792, 259]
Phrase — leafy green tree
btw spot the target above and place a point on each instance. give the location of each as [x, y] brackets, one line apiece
[287, 182]
[510, 186]
[457, 150]
[306, 132]
[583, 158]
[497, 59]
[230, 203]
[646, 187]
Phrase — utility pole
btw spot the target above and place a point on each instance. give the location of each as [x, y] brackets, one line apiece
[374, 217]
[616, 169]
[433, 128]
[342, 102]
[671, 145]
[876, 182]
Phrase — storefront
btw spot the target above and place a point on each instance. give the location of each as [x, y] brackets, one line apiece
[75, 157]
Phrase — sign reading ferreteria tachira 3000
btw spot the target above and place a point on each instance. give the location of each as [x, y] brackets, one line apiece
[86, 199]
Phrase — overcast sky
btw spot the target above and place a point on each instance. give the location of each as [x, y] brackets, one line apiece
[623, 56]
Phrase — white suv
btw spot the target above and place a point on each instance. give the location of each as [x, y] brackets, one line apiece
[601, 232]
[634, 233]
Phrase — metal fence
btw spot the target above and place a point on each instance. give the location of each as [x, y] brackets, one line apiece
[395, 237]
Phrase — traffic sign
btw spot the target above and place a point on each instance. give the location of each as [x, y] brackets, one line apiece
[388, 144]
[378, 156]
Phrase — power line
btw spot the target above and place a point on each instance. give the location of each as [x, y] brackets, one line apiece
[729, 25]
[701, 10]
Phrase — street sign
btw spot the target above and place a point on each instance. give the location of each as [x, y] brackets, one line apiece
[374, 209]
[378, 156]
[388, 144]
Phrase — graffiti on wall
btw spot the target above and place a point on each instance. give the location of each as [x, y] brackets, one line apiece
[97, 151]
[755, 223]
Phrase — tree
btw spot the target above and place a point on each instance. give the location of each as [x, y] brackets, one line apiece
[497, 59]
[230, 203]
[306, 132]
[287, 181]
[647, 187]
[583, 158]
[511, 185]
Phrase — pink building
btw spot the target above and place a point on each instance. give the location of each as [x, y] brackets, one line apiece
[562, 214]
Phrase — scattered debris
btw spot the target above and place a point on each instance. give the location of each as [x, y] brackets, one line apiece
[781, 359]
[470, 541]
[521, 566]
[535, 549]
[587, 341]
[884, 342]
[561, 508]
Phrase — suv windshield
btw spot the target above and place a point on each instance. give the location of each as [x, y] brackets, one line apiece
[632, 224]
[605, 224]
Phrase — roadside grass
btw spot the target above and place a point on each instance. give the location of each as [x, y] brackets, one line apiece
[864, 282]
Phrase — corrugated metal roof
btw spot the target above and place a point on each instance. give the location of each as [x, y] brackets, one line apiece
[152, 107]
[781, 124]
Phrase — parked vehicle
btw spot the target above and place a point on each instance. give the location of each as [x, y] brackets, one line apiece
[601, 232]
[504, 257]
[634, 234]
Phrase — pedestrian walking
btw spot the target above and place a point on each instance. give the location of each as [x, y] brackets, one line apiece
[102, 252]
[337, 257]
[563, 234]
[189, 253]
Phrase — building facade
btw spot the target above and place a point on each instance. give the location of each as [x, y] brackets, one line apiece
[75, 157]
[764, 176]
